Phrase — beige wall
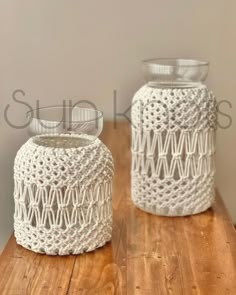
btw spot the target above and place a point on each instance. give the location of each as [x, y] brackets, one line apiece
[56, 50]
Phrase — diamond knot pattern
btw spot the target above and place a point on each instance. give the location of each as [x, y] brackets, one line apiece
[57, 209]
[173, 149]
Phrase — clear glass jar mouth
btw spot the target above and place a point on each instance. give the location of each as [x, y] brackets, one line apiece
[175, 72]
[62, 119]
[48, 111]
[175, 62]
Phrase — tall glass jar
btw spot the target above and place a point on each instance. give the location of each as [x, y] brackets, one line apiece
[173, 139]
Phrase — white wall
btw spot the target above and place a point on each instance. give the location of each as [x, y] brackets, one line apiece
[60, 49]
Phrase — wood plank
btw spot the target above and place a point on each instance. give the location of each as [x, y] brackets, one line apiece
[104, 271]
[188, 255]
[148, 254]
[25, 272]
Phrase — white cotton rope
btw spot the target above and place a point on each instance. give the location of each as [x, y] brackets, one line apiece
[173, 148]
[63, 191]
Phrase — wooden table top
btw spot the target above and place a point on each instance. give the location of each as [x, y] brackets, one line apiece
[148, 254]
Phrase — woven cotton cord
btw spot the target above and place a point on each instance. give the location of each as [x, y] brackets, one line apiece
[173, 147]
[61, 208]
[63, 197]
[151, 153]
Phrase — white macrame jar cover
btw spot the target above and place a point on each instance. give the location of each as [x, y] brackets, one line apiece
[63, 190]
[173, 147]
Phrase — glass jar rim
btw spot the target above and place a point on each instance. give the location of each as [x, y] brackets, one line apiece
[175, 62]
[64, 119]
[99, 114]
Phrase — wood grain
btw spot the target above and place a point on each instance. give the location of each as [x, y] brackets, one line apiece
[148, 254]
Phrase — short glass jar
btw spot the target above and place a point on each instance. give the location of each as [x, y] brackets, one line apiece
[63, 183]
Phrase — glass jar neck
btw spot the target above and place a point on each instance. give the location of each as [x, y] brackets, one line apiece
[174, 85]
[175, 73]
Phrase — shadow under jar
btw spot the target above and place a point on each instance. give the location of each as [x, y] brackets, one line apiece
[173, 139]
